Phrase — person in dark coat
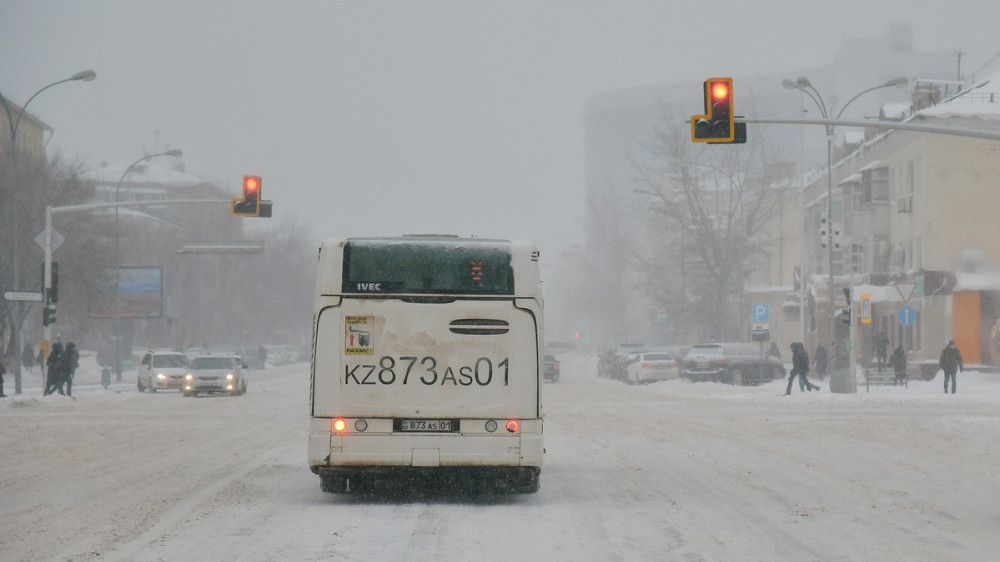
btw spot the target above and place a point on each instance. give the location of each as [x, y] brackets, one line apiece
[53, 381]
[28, 357]
[898, 363]
[70, 362]
[773, 351]
[820, 361]
[881, 348]
[2, 372]
[41, 362]
[800, 366]
[950, 362]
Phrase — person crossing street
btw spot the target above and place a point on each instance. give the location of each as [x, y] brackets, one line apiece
[800, 368]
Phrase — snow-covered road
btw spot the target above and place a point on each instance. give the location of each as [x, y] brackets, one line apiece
[669, 471]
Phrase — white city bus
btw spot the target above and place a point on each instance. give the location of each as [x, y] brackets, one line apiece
[427, 364]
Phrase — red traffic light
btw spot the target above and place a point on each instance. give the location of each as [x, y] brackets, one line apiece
[251, 188]
[720, 91]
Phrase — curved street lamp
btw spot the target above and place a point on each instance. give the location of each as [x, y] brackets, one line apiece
[803, 85]
[118, 260]
[13, 124]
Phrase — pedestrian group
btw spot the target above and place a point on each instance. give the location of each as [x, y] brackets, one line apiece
[62, 364]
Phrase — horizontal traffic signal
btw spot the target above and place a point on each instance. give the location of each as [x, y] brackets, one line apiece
[718, 124]
[249, 205]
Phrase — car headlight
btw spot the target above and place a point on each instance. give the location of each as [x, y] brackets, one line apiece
[189, 376]
[161, 376]
[229, 376]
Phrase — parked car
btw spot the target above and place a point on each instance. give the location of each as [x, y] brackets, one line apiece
[252, 357]
[218, 374]
[612, 362]
[651, 366]
[551, 368]
[161, 370]
[733, 363]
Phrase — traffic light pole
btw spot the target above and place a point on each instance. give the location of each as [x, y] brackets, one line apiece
[50, 210]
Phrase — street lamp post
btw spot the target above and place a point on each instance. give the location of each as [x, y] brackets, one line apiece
[118, 260]
[13, 123]
[802, 84]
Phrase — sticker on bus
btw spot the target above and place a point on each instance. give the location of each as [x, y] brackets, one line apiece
[358, 335]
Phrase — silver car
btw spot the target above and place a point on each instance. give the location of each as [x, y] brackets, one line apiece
[161, 370]
[215, 374]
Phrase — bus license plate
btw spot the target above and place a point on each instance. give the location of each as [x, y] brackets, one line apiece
[426, 425]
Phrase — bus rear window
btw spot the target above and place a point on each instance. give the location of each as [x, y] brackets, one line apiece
[428, 267]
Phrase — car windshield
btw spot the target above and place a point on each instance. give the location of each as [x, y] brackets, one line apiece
[168, 361]
[213, 363]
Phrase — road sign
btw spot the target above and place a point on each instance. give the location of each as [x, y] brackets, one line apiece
[866, 309]
[761, 313]
[907, 315]
[15, 296]
[905, 289]
[760, 317]
[57, 239]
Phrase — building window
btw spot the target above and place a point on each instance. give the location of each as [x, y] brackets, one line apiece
[857, 258]
[875, 185]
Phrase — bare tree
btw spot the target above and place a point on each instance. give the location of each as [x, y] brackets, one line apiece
[707, 206]
[39, 183]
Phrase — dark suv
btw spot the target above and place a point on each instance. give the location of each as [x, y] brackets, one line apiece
[551, 368]
[733, 363]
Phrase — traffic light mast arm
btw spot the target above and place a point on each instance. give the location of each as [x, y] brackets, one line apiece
[956, 131]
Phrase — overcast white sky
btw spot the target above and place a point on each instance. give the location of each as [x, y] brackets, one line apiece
[377, 117]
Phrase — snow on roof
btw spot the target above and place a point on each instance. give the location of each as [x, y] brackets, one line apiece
[895, 110]
[987, 281]
[145, 172]
[853, 178]
[981, 101]
[871, 166]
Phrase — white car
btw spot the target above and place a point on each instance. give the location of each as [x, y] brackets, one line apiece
[651, 366]
[161, 370]
[215, 374]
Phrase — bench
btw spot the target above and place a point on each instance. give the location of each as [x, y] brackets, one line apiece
[885, 376]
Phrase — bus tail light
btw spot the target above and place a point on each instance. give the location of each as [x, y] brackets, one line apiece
[513, 426]
[339, 425]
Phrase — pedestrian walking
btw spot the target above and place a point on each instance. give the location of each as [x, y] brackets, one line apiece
[898, 363]
[28, 357]
[951, 363]
[70, 362]
[881, 348]
[53, 381]
[262, 355]
[820, 361]
[41, 362]
[3, 371]
[800, 366]
[773, 351]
